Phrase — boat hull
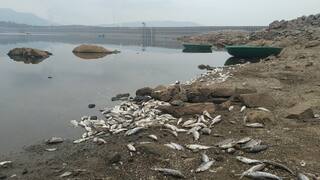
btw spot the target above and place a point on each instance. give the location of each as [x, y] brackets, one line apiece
[197, 48]
[252, 51]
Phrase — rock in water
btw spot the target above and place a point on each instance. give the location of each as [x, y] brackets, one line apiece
[28, 55]
[85, 48]
[91, 106]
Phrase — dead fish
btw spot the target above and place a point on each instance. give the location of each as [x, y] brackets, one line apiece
[257, 149]
[154, 137]
[131, 147]
[244, 140]
[278, 165]
[181, 130]
[262, 175]
[133, 131]
[169, 145]
[204, 166]
[5, 163]
[206, 131]
[231, 108]
[204, 158]
[174, 133]
[197, 147]
[258, 167]
[302, 177]
[251, 143]
[243, 108]
[66, 174]
[179, 121]
[255, 125]
[225, 144]
[188, 122]
[207, 114]
[247, 160]
[170, 172]
[99, 140]
[54, 140]
[216, 120]
[171, 127]
[119, 130]
[177, 146]
[80, 140]
[196, 135]
[263, 109]
[51, 149]
[74, 123]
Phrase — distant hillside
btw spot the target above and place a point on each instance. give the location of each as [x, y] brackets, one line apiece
[154, 24]
[9, 15]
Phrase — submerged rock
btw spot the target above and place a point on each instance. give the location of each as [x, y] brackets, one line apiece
[85, 48]
[120, 97]
[28, 55]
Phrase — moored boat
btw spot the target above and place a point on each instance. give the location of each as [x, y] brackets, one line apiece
[252, 51]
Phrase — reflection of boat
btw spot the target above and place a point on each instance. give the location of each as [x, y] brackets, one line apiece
[252, 51]
[90, 55]
[200, 48]
[28, 60]
[235, 60]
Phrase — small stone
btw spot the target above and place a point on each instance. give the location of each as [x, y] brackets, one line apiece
[49, 77]
[177, 103]
[93, 118]
[300, 111]
[91, 106]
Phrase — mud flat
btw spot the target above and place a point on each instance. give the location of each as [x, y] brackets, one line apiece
[266, 111]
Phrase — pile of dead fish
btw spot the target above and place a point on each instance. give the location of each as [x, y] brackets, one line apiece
[216, 75]
[257, 170]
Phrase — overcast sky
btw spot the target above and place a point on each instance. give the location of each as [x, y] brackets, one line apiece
[204, 12]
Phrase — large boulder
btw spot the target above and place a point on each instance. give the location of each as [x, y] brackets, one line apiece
[300, 112]
[258, 100]
[86, 48]
[188, 109]
[28, 53]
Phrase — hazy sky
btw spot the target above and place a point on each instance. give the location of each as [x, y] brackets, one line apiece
[205, 12]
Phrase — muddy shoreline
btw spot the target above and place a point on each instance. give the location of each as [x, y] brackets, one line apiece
[285, 88]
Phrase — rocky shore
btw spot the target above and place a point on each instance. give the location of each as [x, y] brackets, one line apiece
[251, 120]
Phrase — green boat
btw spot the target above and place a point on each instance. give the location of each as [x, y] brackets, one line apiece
[201, 48]
[252, 51]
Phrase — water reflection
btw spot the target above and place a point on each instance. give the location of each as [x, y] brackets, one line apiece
[235, 61]
[89, 56]
[28, 60]
[186, 50]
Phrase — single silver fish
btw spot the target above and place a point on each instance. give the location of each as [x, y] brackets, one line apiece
[171, 127]
[227, 143]
[244, 140]
[258, 167]
[207, 114]
[51, 149]
[133, 131]
[196, 135]
[177, 146]
[179, 121]
[243, 108]
[197, 124]
[247, 160]
[255, 125]
[154, 137]
[188, 122]
[169, 145]
[257, 149]
[5, 163]
[204, 158]
[197, 147]
[216, 120]
[263, 109]
[131, 147]
[170, 172]
[251, 143]
[74, 123]
[302, 177]
[66, 174]
[204, 166]
[262, 175]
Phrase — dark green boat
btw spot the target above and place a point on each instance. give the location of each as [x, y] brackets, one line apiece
[200, 48]
[252, 51]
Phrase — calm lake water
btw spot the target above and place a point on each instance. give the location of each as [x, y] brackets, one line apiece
[34, 107]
